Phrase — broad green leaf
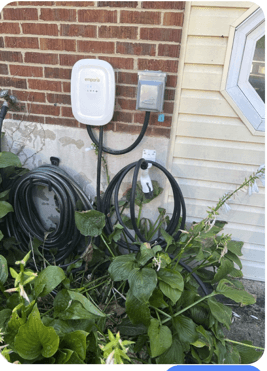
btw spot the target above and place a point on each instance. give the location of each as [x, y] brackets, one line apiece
[4, 195]
[138, 311]
[63, 327]
[90, 223]
[72, 305]
[34, 338]
[142, 282]
[157, 248]
[221, 312]
[205, 336]
[63, 355]
[75, 341]
[5, 315]
[185, 328]
[68, 356]
[248, 355]
[169, 239]
[127, 328]
[160, 337]
[220, 351]
[116, 234]
[13, 326]
[86, 303]
[156, 299]
[1, 236]
[172, 278]
[5, 208]
[173, 355]
[48, 280]
[232, 355]
[121, 267]
[145, 254]
[226, 288]
[234, 258]
[224, 269]
[168, 291]
[3, 270]
[235, 247]
[199, 314]
[9, 159]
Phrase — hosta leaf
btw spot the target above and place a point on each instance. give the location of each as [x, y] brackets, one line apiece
[156, 299]
[5, 315]
[127, 328]
[34, 338]
[13, 326]
[142, 282]
[63, 327]
[75, 341]
[232, 356]
[9, 159]
[248, 355]
[235, 247]
[3, 270]
[160, 337]
[221, 312]
[5, 208]
[48, 280]
[173, 355]
[145, 254]
[172, 278]
[138, 311]
[167, 290]
[227, 289]
[185, 328]
[90, 223]
[121, 267]
[72, 305]
[234, 258]
[169, 239]
[224, 269]
[63, 355]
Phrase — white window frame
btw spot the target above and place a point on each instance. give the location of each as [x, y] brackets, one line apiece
[237, 84]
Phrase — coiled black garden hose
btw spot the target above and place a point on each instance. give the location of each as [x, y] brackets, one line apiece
[25, 223]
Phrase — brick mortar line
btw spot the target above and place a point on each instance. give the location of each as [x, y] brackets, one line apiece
[41, 21]
[99, 39]
[123, 56]
[64, 80]
[90, 7]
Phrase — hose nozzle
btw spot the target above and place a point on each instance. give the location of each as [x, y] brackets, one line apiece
[10, 100]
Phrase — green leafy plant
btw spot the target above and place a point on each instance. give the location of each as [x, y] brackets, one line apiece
[141, 307]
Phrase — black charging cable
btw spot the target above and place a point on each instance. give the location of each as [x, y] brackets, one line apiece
[120, 151]
[104, 205]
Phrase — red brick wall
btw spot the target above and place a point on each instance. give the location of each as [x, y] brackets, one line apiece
[41, 40]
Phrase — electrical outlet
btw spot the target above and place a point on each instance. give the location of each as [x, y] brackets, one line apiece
[150, 91]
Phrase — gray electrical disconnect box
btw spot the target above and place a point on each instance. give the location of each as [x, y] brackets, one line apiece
[150, 91]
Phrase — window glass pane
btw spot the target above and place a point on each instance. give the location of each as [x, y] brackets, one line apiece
[257, 73]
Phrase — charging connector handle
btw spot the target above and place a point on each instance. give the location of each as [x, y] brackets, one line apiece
[145, 181]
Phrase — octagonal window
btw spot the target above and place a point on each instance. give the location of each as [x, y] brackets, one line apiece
[246, 75]
[257, 72]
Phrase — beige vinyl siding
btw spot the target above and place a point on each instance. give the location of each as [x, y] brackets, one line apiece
[212, 150]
